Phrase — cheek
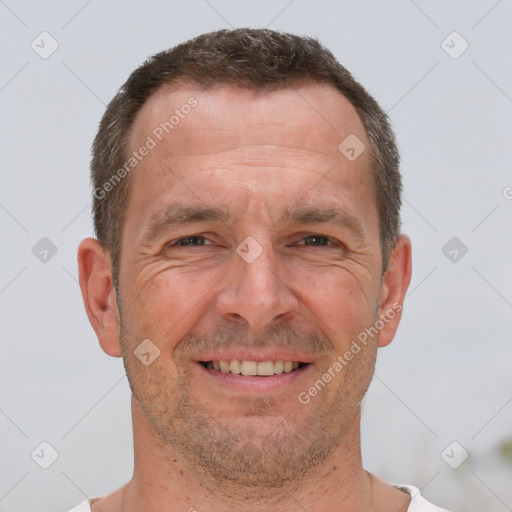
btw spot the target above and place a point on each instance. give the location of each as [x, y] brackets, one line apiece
[164, 307]
[341, 302]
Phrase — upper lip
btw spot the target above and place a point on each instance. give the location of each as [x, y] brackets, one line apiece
[254, 355]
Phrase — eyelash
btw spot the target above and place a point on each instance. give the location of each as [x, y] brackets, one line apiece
[176, 243]
[331, 242]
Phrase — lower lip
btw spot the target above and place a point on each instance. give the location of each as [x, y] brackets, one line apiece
[254, 383]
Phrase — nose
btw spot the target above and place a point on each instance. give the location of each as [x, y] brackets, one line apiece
[256, 293]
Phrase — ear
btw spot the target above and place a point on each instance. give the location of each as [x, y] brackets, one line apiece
[98, 294]
[394, 286]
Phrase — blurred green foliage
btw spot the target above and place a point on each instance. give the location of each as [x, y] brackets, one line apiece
[506, 450]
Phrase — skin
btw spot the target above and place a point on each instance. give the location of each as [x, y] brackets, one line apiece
[198, 442]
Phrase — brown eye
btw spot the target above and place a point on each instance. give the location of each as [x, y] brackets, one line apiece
[191, 241]
[316, 240]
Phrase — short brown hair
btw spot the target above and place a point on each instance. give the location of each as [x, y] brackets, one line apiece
[259, 59]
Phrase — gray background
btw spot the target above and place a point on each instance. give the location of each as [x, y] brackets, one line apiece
[445, 378]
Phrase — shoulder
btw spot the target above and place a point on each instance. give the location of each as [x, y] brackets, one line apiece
[109, 503]
[418, 502]
[85, 506]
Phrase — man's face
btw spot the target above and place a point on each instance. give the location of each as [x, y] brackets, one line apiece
[301, 288]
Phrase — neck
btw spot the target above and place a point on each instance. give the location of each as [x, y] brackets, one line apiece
[162, 481]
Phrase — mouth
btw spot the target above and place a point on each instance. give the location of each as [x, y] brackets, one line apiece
[253, 373]
[253, 368]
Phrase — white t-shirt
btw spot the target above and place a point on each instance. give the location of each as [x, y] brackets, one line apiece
[418, 502]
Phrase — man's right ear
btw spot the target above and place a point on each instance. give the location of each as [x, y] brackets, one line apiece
[98, 293]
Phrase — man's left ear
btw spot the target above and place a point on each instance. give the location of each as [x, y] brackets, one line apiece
[394, 286]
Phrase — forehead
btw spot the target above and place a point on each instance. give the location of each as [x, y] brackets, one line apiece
[316, 117]
[285, 140]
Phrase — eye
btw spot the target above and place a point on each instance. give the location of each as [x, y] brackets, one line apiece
[191, 241]
[316, 240]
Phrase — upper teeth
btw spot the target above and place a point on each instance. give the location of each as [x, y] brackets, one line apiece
[253, 367]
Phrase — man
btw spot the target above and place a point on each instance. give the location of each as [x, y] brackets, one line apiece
[248, 266]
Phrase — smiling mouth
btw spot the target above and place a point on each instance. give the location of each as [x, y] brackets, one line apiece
[253, 368]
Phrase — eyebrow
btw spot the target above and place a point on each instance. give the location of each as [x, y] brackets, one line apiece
[326, 215]
[176, 214]
[179, 214]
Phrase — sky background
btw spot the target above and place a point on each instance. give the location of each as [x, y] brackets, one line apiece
[442, 72]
